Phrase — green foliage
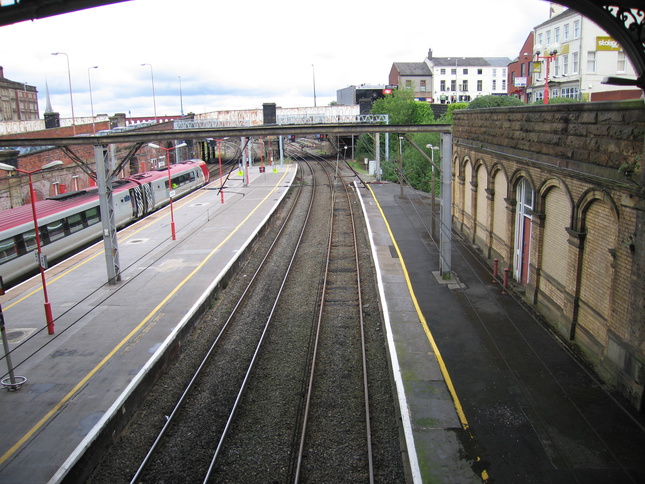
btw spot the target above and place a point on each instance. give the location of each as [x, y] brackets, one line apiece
[558, 100]
[447, 118]
[494, 102]
[403, 109]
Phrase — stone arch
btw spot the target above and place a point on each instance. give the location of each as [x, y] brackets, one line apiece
[586, 199]
[554, 204]
[502, 214]
[468, 199]
[481, 212]
[598, 221]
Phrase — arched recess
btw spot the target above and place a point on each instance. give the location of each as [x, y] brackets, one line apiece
[624, 21]
[481, 222]
[598, 219]
[501, 215]
[469, 216]
[524, 194]
[556, 203]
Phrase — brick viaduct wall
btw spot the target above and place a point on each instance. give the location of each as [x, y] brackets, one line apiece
[539, 188]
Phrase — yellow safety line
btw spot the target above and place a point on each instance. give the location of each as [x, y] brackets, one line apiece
[424, 324]
[102, 363]
[442, 365]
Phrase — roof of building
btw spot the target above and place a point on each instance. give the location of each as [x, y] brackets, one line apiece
[470, 61]
[412, 69]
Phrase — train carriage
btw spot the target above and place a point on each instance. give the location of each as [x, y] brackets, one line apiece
[72, 220]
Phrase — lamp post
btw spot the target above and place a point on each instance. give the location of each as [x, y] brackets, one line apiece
[171, 192]
[154, 100]
[41, 261]
[313, 71]
[181, 97]
[89, 81]
[551, 53]
[71, 99]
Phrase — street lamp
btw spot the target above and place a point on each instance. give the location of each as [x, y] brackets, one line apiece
[41, 262]
[89, 81]
[71, 99]
[313, 71]
[171, 192]
[550, 54]
[154, 100]
[181, 97]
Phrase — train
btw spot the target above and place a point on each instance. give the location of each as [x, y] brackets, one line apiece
[72, 220]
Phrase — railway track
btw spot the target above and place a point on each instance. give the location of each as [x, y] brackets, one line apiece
[281, 394]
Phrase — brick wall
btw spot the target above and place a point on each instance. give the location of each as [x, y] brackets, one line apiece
[584, 253]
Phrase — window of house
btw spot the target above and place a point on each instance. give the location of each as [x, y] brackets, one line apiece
[480, 85]
[423, 85]
[494, 84]
[565, 64]
[503, 84]
[453, 85]
[621, 62]
[548, 38]
[465, 72]
[540, 39]
[565, 32]
[494, 72]
[556, 66]
[464, 85]
[453, 71]
[442, 72]
[408, 84]
[523, 69]
[574, 63]
[591, 61]
[576, 29]
[443, 84]
[480, 72]
[556, 34]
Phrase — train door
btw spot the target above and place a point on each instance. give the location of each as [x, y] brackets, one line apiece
[524, 210]
[136, 198]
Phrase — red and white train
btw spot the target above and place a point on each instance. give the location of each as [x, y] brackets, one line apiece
[72, 220]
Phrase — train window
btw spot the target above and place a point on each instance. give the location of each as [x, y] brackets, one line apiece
[8, 250]
[75, 222]
[53, 231]
[92, 216]
[29, 239]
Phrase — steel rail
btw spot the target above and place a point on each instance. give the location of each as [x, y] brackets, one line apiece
[178, 406]
[318, 332]
[260, 342]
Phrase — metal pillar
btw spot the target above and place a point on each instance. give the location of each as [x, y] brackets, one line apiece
[377, 150]
[445, 240]
[102, 157]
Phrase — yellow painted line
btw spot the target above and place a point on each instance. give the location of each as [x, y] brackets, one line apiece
[107, 358]
[435, 348]
[442, 365]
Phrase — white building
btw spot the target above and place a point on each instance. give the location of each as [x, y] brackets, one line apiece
[580, 56]
[462, 79]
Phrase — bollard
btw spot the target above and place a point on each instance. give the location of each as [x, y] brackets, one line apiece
[495, 269]
[505, 280]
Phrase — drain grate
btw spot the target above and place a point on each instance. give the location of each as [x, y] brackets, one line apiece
[18, 334]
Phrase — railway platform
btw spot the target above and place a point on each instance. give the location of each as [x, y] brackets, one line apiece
[108, 337]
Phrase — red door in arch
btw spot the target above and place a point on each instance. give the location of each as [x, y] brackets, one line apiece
[526, 249]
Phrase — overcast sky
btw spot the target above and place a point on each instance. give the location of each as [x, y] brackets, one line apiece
[239, 55]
